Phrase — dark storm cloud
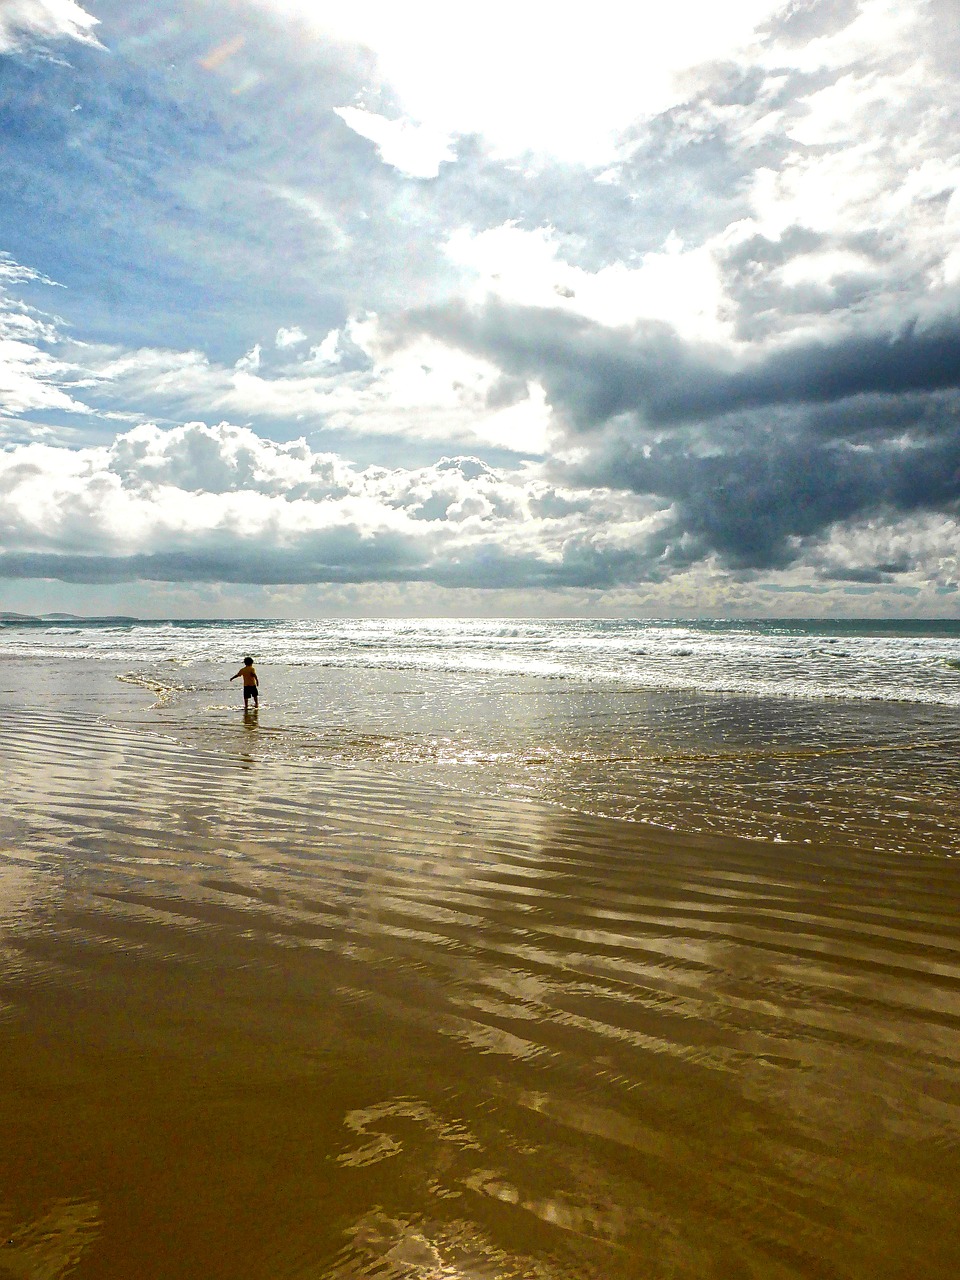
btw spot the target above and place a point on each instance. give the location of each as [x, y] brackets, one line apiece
[876, 575]
[592, 373]
[213, 566]
[758, 494]
[753, 457]
[342, 559]
[584, 563]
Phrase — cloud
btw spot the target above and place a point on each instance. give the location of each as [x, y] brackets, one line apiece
[290, 337]
[882, 550]
[31, 375]
[801, 21]
[594, 373]
[714, 302]
[527, 267]
[207, 504]
[199, 504]
[759, 496]
[344, 380]
[411, 148]
[218, 503]
[505, 72]
[348, 382]
[833, 160]
[158, 186]
[755, 452]
[25, 22]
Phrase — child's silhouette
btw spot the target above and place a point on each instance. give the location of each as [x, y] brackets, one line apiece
[250, 683]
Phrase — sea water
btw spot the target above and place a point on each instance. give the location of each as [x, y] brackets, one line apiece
[894, 661]
[813, 731]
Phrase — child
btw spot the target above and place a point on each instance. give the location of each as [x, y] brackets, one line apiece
[250, 682]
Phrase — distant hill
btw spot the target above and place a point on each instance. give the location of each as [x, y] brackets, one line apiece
[62, 617]
[78, 617]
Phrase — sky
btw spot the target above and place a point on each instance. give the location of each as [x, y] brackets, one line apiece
[325, 309]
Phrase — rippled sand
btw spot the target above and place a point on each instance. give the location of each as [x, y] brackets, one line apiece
[332, 1017]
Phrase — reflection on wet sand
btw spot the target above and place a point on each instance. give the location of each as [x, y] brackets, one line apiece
[270, 1019]
[50, 1246]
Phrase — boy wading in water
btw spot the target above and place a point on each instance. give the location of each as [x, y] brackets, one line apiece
[248, 672]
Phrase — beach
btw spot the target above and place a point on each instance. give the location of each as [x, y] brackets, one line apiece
[548, 418]
[451, 971]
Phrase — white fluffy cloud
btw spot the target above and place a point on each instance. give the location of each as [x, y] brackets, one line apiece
[291, 337]
[414, 149]
[220, 501]
[349, 381]
[23, 21]
[678, 285]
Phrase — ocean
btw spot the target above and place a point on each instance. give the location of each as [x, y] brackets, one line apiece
[846, 659]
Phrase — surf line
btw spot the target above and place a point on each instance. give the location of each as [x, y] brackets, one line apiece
[164, 692]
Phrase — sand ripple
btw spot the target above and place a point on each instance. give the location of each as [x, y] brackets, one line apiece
[334, 1022]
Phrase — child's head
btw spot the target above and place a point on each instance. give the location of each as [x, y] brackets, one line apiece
[248, 662]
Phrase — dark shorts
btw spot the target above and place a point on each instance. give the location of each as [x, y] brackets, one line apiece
[249, 691]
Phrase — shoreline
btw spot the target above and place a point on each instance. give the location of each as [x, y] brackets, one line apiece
[861, 776]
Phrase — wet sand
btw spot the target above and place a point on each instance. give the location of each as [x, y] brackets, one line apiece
[281, 1018]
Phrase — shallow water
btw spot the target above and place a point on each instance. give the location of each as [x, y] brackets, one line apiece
[868, 774]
